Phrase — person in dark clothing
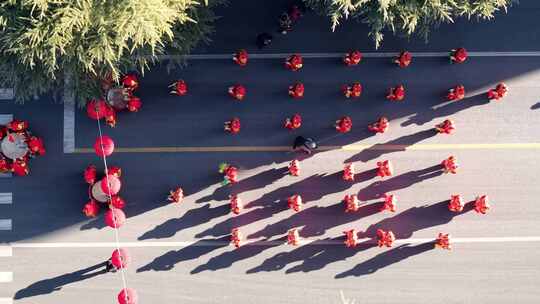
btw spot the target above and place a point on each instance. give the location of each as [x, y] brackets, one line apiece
[306, 145]
[285, 23]
[109, 267]
[264, 39]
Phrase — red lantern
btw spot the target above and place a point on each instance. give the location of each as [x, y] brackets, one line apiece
[96, 109]
[110, 185]
[128, 296]
[120, 258]
[91, 209]
[117, 202]
[104, 146]
[115, 218]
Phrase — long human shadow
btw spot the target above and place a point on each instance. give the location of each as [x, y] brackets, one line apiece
[191, 218]
[227, 259]
[55, 284]
[196, 250]
[256, 181]
[377, 189]
[317, 220]
[535, 106]
[386, 258]
[402, 143]
[405, 223]
[450, 108]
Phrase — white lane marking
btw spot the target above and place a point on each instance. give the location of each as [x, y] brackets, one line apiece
[7, 93]
[6, 198]
[266, 243]
[5, 224]
[339, 55]
[69, 121]
[6, 277]
[6, 301]
[5, 251]
[4, 119]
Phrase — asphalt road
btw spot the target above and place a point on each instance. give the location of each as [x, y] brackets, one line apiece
[46, 205]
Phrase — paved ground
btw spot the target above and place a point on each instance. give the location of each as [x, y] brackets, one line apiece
[180, 266]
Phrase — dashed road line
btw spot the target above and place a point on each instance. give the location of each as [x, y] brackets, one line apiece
[5, 225]
[4, 119]
[6, 277]
[6, 198]
[494, 146]
[6, 251]
[6, 301]
[7, 94]
[524, 239]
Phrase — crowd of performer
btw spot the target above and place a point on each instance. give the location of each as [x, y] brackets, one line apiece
[18, 146]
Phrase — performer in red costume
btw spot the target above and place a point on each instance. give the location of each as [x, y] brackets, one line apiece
[130, 82]
[450, 165]
[90, 174]
[396, 93]
[117, 202]
[294, 62]
[293, 237]
[110, 117]
[179, 88]
[443, 241]
[236, 237]
[481, 204]
[352, 58]
[176, 196]
[458, 55]
[294, 168]
[134, 104]
[230, 173]
[456, 203]
[237, 92]
[352, 203]
[232, 126]
[351, 238]
[352, 91]
[344, 124]
[241, 57]
[380, 126]
[390, 201]
[20, 167]
[385, 168]
[294, 122]
[385, 238]
[236, 204]
[35, 145]
[17, 125]
[456, 93]
[115, 171]
[5, 166]
[295, 202]
[446, 127]
[498, 93]
[404, 59]
[296, 90]
[91, 209]
[348, 172]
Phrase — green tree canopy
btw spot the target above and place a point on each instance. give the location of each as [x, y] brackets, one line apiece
[405, 16]
[42, 40]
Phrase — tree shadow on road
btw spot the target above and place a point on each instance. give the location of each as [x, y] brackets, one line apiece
[167, 261]
[378, 150]
[377, 189]
[48, 286]
[450, 108]
[191, 218]
[385, 259]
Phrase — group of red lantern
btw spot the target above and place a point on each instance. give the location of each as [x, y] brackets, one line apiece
[102, 109]
[17, 133]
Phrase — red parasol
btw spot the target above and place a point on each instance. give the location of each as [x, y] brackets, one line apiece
[120, 258]
[111, 185]
[115, 218]
[104, 146]
[96, 109]
[128, 296]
